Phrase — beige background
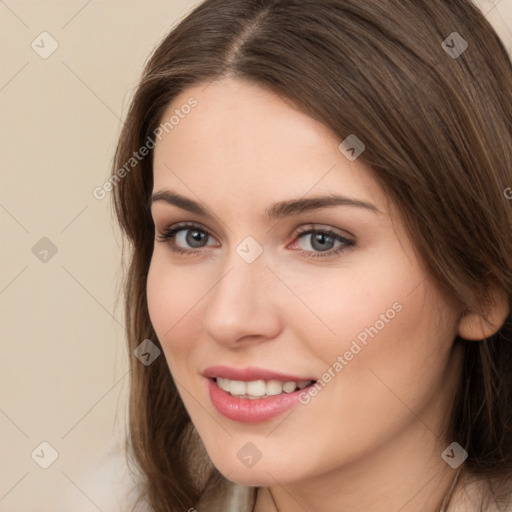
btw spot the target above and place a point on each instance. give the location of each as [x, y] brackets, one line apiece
[63, 366]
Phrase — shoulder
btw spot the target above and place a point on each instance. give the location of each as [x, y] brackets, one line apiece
[470, 495]
[106, 481]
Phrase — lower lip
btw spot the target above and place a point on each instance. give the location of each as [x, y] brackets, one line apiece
[245, 410]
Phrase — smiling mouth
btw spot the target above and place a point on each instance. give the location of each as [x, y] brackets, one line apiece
[258, 389]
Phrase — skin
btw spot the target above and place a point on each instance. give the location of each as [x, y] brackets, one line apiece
[372, 439]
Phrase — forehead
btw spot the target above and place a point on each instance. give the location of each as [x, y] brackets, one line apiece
[245, 140]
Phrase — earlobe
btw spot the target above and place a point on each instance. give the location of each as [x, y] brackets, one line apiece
[475, 327]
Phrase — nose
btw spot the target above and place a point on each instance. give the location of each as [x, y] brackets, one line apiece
[242, 306]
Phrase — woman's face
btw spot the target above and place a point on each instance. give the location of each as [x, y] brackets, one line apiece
[271, 288]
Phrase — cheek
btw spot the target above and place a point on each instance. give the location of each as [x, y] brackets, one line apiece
[358, 302]
[172, 295]
[386, 317]
[402, 358]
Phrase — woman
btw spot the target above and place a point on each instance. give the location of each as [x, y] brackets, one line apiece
[320, 281]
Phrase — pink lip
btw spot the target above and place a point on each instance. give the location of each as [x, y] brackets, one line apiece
[250, 374]
[245, 410]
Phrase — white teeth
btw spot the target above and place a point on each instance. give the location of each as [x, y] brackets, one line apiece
[256, 388]
[237, 387]
[223, 384]
[259, 388]
[274, 387]
[289, 387]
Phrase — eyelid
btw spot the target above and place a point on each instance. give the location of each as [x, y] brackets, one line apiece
[312, 226]
[179, 226]
[324, 228]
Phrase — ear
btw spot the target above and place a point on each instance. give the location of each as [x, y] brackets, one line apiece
[475, 327]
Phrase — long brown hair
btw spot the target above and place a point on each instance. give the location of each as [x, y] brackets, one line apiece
[436, 120]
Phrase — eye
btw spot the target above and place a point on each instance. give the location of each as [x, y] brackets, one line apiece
[325, 243]
[185, 238]
[188, 239]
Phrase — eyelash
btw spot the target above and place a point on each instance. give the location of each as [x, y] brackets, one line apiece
[169, 236]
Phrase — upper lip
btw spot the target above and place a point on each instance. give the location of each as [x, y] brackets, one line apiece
[250, 374]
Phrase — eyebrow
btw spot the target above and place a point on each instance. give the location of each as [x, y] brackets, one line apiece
[276, 211]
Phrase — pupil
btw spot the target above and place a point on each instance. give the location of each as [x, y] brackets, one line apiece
[322, 239]
[195, 237]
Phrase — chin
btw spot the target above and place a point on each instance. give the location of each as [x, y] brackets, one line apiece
[263, 473]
